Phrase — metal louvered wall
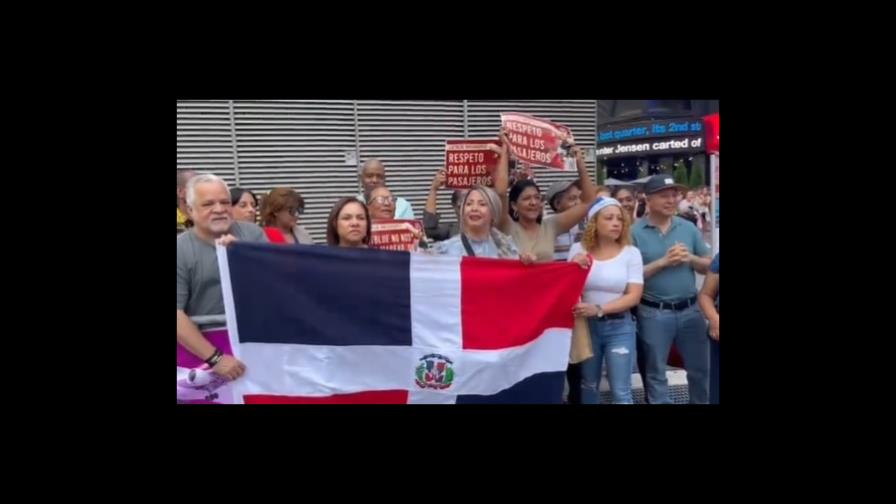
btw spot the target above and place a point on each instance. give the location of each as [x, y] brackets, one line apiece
[205, 138]
[300, 145]
[316, 147]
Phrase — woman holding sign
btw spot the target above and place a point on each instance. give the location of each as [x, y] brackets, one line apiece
[381, 203]
[522, 212]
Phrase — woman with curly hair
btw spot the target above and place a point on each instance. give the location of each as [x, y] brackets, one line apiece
[614, 285]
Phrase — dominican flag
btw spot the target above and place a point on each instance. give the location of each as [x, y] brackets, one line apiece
[325, 325]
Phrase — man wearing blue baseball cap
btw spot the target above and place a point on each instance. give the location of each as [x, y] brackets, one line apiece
[672, 249]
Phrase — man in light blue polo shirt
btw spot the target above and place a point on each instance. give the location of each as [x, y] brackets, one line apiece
[672, 249]
[373, 175]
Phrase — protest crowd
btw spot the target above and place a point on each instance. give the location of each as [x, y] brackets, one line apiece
[642, 246]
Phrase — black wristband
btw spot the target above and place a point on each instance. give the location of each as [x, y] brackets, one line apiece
[211, 361]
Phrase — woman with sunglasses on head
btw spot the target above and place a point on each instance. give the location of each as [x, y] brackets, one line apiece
[280, 216]
[480, 211]
[479, 236]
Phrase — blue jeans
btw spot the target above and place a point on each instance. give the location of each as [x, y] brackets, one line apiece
[615, 339]
[657, 330]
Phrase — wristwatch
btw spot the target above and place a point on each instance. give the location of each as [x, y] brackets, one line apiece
[600, 311]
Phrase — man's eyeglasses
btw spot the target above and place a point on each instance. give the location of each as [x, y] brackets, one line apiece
[383, 200]
[297, 211]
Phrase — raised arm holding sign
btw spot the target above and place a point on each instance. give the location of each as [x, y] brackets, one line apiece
[469, 162]
[538, 142]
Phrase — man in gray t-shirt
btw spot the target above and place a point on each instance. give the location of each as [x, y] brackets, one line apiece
[198, 280]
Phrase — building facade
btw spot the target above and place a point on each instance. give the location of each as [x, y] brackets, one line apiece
[637, 138]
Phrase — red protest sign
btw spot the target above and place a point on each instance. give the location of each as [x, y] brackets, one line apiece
[395, 234]
[469, 163]
[538, 142]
